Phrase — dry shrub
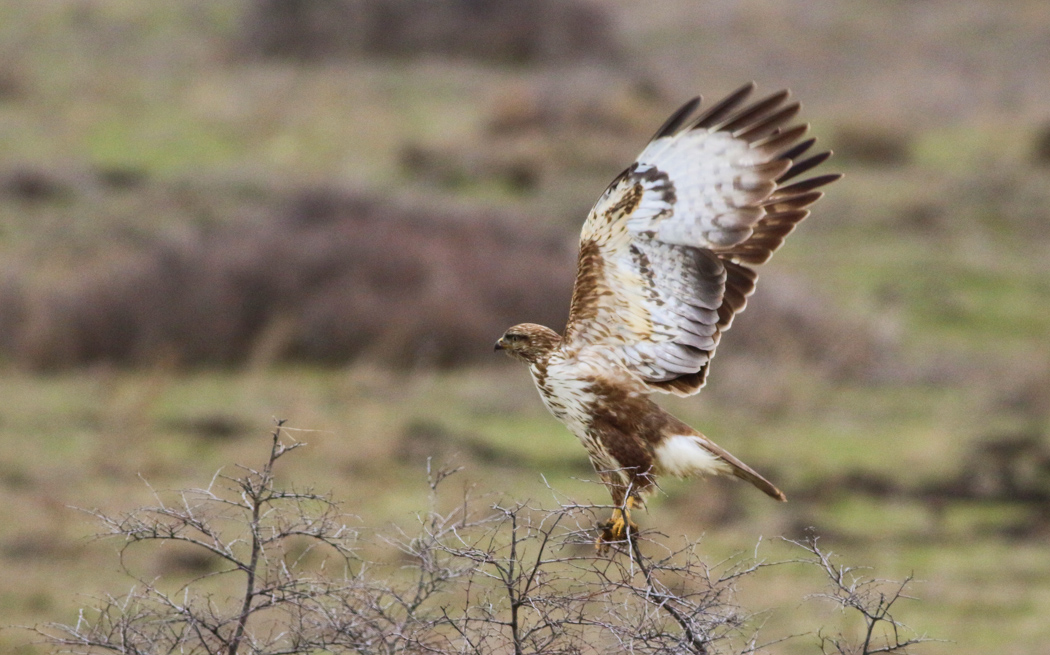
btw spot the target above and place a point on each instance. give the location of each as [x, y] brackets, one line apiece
[789, 323]
[12, 313]
[1023, 390]
[873, 146]
[27, 184]
[1041, 152]
[454, 167]
[332, 277]
[13, 85]
[557, 129]
[481, 577]
[1009, 468]
[614, 104]
[1009, 472]
[520, 32]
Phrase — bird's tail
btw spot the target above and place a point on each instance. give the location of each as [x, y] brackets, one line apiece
[742, 470]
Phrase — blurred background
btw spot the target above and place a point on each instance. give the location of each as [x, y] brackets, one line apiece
[217, 212]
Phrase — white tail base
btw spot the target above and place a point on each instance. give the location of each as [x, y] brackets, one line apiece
[683, 456]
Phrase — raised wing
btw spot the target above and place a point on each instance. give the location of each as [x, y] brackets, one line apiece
[665, 252]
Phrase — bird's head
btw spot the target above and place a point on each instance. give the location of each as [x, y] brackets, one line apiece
[528, 342]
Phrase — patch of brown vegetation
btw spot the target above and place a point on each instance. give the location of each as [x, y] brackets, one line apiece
[212, 427]
[1009, 469]
[789, 323]
[27, 184]
[1006, 468]
[517, 172]
[331, 277]
[1041, 152]
[873, 146]
[520, 32]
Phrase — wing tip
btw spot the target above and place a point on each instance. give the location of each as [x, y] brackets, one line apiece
[723, 107]
[678, 118]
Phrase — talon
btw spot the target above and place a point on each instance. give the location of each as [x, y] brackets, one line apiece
[618, 529]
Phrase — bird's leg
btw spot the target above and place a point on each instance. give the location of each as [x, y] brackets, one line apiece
[619, 527]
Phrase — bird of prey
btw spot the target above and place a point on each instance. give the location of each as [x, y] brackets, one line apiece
[666, 260]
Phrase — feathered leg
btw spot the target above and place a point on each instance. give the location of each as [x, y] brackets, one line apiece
[626, 495]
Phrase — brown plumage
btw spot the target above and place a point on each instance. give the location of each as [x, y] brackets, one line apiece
[664, 266]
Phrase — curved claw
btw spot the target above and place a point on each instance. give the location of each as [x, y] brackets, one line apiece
[618, 529]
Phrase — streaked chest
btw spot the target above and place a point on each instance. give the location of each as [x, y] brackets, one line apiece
[565, 388]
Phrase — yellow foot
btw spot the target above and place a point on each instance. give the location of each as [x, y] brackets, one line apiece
[618, 529]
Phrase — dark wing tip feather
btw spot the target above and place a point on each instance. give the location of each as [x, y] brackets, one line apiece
[798, 149]
[808, 185]
[767, 125]
[677, 119]
[722, 108]
[782, 139]
[800, 167]
[754, 112]
[793, 201]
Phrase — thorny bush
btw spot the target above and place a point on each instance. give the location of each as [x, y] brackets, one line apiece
[291, 577]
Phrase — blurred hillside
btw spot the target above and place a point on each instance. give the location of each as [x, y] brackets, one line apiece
[158, 156]
[214, 211]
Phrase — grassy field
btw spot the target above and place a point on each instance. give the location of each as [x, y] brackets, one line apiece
[94, 440]
[896, 348]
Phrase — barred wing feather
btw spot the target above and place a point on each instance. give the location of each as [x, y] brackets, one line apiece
[665, 253]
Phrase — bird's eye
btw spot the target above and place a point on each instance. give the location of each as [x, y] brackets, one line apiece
[515, 337]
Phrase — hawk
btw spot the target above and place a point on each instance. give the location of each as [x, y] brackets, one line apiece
[666, 260]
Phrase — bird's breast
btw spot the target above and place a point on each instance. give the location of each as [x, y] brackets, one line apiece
[566, 392]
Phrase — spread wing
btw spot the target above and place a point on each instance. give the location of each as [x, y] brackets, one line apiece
[666, 252]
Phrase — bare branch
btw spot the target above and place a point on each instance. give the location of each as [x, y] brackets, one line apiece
[487, 576]
[870, 598]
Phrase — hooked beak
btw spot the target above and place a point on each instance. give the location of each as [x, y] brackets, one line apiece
[499, 345]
